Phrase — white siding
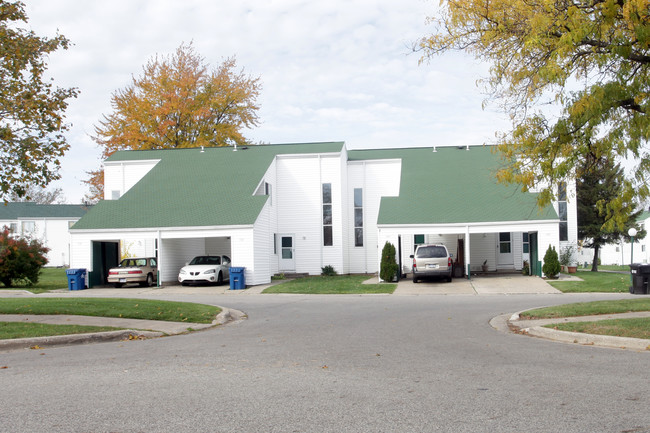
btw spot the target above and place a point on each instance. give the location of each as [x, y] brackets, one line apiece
[175, 253]
[482, 248]
[300, 213]
[377, 179]
[121, 176]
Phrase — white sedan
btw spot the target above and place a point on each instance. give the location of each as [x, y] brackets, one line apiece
[205, 269]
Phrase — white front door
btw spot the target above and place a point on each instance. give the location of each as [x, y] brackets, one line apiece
[287, 259]
[505, 258]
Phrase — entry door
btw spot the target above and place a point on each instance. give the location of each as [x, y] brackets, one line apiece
[504, 251]
[287, 259]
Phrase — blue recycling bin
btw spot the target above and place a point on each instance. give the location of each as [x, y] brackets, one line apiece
[76, 279]
[237, 278]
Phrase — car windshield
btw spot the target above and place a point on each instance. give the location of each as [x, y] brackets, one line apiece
[133, 262]
[431, 252]
[206, 260]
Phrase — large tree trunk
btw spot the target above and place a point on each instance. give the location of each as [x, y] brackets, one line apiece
[594, 265]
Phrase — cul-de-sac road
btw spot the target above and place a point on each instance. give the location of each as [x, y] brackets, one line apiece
[334, 364]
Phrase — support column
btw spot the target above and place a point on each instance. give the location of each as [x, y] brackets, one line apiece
[468, 248]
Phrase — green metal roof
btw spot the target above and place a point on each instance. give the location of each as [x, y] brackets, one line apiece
[22, 210]
[453, 185]
[190, 188]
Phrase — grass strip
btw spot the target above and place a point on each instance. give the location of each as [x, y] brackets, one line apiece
[113, 307]
[589, 309]
[339, 284]
[634, 328]
[49, 279]
[9, 330]
[606, 282]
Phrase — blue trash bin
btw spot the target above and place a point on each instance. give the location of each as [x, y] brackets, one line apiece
[237, 278]
[76, 279]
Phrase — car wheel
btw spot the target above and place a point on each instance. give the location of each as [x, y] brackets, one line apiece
[219, 279]
[149, 280]
[415, 279]
[184, 284]
[449, 278]
[117, 285]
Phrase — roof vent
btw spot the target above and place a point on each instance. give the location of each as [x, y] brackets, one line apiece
[434, 149]
[202, 149]
[235, 149]
[467, 148]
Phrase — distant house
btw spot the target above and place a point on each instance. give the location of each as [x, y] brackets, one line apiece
[48, 223]
[620, 253]
[300, 207]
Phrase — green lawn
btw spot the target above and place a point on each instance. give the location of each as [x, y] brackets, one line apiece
[625, 268]
[595, 282]
[118, 307]
[589, 309]
[49, 279]
[10, 330]
[339, 284]
[634, 328]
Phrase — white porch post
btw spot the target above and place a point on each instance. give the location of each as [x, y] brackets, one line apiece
[467, 250]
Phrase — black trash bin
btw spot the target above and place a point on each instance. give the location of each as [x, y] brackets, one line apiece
[640, 274]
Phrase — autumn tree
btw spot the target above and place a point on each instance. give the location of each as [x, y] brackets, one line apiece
[589, 59]
[32, 128]
[179, 102]
[601, 183]
[37, 194]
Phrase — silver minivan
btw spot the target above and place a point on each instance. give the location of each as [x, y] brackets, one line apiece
[431, 261]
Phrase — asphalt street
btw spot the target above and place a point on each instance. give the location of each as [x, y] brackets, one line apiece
[334, 364]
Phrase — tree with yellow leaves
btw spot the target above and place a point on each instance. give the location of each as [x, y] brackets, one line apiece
[32, 122]
[178, 102]
[589, 57]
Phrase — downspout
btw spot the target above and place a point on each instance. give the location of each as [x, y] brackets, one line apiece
[320, 194]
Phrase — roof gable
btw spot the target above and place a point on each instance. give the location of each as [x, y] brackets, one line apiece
[453, 185]
[195, 187]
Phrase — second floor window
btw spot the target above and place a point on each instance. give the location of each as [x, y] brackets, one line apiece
[328, 239]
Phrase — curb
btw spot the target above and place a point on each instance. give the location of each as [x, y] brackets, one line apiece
[227, 315]
[513, 323]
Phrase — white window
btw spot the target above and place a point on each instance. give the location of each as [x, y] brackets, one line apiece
[328, 240]
[562, 211]
[28, 226]
[358, 217]
[13, 227]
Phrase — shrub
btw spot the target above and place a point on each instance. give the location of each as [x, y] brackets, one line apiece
[388, 268]
[20, 259]
[551, 267]
[328, 271]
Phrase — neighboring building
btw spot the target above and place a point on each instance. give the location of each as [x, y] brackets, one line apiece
[299, 207]
[48, 223]
[620, 253]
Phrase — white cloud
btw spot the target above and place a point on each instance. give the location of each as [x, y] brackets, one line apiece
[334, 70]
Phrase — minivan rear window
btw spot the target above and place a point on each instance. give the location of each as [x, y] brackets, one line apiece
[431, 252]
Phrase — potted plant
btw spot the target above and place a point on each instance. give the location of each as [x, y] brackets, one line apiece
[567, 259]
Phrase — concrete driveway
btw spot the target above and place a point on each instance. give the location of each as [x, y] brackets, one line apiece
[478, 285]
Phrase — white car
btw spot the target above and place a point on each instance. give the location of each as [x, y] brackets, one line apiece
[205, 269]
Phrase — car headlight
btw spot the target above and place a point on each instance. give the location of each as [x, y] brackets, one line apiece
[210, 271]
[182, 272]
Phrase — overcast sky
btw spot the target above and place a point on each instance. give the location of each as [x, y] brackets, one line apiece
[336, 70]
